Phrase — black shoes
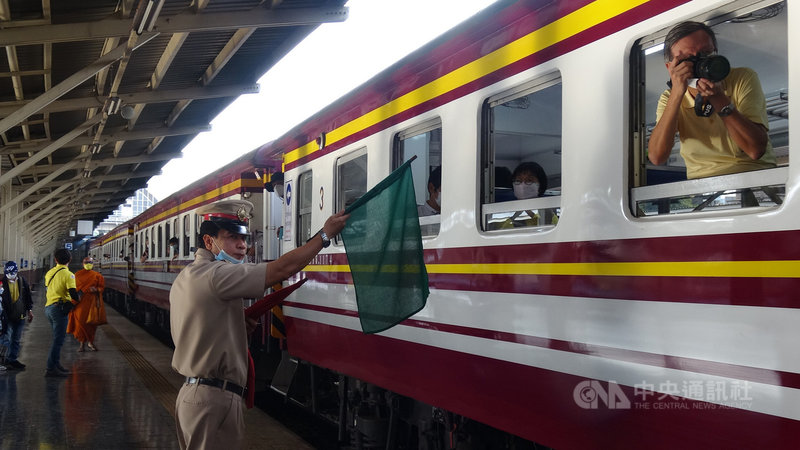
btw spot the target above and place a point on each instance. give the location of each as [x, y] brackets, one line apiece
[58, 371]
[14, 365]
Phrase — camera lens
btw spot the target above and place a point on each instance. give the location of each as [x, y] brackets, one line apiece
[714, 67]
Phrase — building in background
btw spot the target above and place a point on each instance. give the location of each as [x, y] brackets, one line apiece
[132, 207]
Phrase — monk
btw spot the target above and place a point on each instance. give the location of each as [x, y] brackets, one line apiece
[91, 285]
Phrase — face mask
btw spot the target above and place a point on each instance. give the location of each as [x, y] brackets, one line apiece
[439, 199]
[88, 266]
[279, 190]
[692, 83]
[222, 256]
[11, 277]
[524, 191]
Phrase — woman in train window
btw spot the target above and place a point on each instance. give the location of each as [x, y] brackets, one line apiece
[528, 181]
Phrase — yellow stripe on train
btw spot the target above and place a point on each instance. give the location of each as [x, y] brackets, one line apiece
[538, 40]
[722, 269]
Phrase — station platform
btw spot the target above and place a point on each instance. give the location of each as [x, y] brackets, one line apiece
[121, 396]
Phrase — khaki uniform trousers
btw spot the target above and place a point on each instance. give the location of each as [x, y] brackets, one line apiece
[208, 417]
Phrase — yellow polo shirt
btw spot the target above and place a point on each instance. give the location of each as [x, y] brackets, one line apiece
[706, 145]
[58, 283]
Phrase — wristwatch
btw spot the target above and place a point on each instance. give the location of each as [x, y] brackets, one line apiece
[326, 241]
[727, 110]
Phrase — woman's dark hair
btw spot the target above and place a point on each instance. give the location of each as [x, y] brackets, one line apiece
[62, 256]
[536, 170]
[682, 30]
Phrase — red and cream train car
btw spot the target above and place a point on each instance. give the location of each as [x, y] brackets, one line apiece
[631, 308]
[636, 309]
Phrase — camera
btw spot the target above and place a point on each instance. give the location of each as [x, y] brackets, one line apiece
[712, 67]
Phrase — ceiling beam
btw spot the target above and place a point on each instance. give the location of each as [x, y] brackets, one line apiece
[106, 162]
[180, 23]
[45, 150]
[195, 93]
[42, 183]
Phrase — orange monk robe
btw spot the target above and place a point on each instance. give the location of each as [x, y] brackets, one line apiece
[84, 280]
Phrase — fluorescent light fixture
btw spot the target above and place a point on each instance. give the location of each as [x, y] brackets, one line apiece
[146, 14]
[653, 49]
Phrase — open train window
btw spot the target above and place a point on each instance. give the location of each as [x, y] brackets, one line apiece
[351, 178]
[521, 156]
[694, 177]
[425, 142]
[304, 198]
[187, 233]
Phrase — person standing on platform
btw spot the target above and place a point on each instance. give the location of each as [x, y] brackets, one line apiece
[61, 296]
[208, 325]
[17, 307]
[90, 284]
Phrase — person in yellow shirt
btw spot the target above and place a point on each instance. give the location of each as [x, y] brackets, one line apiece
[722, 125]
[61, 296]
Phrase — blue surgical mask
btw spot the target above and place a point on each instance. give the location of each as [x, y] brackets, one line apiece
[222, 256]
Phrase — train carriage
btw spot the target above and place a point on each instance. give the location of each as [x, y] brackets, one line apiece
[626, 307]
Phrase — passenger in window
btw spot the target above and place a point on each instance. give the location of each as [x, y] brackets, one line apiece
[145, 254]
[173, 245]
[529, 181]
[434, 204]
[722, 125]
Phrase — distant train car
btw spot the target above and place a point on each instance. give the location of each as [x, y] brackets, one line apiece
[625, 306]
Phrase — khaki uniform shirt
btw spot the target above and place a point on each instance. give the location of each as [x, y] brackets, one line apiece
[58, 283]
[706, 145]
[207, 317]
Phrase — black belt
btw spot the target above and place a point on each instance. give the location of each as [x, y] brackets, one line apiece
[216, 382]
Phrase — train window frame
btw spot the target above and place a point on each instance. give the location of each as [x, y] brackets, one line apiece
[186, 241]
[514, 214]
[341, 199]
[304, 213]
[422, 168]
[669, 193]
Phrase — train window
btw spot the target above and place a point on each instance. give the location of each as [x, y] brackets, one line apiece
[678, 174]
[304, 206]
[187, 232]
[159, 241]
[136, 245]
[152, 242]
[425, 142]
[351, 179]
[166, 240]
[521, 156]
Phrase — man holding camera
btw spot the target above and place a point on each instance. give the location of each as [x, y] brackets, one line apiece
[722, 121]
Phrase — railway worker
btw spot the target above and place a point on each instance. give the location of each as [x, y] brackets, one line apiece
[208, 324]
[61, 296]
[91, 285]
[434, 204]
[17, 307]
[727, 132]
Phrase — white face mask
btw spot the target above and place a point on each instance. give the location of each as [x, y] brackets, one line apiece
[692, 83]
[524, 191]
[279, 190]
[439, 199]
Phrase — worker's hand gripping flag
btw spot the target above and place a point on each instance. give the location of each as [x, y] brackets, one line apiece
[384, 249]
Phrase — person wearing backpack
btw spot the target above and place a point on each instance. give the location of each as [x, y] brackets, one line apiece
[17, 307]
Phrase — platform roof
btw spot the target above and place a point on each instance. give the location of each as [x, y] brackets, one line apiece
[97, 95]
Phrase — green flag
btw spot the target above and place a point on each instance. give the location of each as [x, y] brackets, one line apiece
[384, 249]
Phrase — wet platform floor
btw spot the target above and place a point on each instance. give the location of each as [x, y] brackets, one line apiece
[120, 397]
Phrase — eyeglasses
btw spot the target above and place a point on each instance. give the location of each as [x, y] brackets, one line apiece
[528, 182]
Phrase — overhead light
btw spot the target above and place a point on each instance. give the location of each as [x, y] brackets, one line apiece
[146, 15]
[95, 148]
[87, 173]
[112, 107]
